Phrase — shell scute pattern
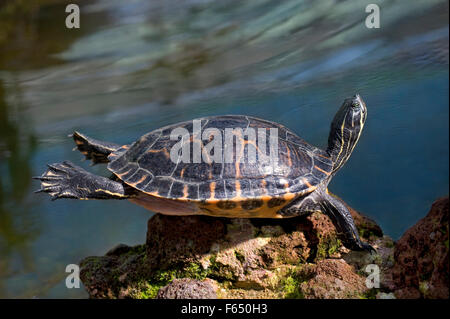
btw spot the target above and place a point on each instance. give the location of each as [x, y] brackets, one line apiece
[146, 165]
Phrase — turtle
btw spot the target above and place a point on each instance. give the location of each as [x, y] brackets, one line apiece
[234, 177]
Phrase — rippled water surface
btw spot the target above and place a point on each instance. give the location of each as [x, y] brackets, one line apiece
[137, 65]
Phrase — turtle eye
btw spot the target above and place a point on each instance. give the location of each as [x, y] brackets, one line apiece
[355, 104]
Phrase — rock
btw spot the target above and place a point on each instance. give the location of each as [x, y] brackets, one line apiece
[187, 288]
[115, 274]
[384, 259]
[207, 257]
[118, 250]
[333, 279]
[421, 266]
[240, 258]
[171, 239]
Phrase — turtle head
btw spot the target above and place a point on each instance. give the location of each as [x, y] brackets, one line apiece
[346, 129]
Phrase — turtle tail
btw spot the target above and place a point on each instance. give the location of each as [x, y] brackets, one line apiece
[94, 150]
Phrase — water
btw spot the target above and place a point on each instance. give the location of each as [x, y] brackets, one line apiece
[137, 65]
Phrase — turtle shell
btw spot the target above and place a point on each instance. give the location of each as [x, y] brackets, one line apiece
[226, 181]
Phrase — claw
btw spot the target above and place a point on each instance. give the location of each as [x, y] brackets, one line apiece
[372, 250]
[55, 168]
[47, 178]
[360, 246]
[67, 164]
[46, 190]
[368, 248]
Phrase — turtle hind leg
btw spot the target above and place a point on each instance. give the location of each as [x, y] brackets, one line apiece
[95, 150]
[66, 180]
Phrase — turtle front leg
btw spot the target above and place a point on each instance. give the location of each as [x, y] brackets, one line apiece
[343, 221]
[66, 180]
[302, 206]
[335, 209]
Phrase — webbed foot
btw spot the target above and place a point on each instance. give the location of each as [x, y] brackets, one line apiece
[60, 181]
[94, 150]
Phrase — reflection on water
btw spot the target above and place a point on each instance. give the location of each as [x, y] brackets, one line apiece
[137, 65]
[18, 228]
